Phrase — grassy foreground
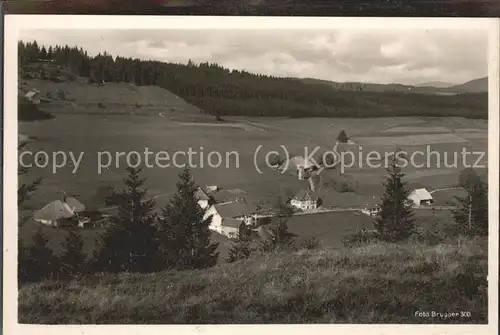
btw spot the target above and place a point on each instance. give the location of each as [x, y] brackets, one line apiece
[380, 283]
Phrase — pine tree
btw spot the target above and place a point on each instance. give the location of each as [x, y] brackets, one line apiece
[280, 239]
[184, 233]
[73, 259]
[25, 191]
[342, 138]
[40, 262]
[395, 220]
[22, 262]
[241, 247]
[130, 241]
[471, 214]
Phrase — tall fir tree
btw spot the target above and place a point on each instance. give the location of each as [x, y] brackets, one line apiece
[25, 190]
[280, 237]
[342, 138]
[72, 261]
[241, 248]
[40, 261]
[130, 242]
[184, 233]
[471, 214]
[395, 221]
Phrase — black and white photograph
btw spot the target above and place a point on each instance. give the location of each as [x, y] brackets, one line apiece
[204, 171]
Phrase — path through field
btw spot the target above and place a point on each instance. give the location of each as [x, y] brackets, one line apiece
[445, 189]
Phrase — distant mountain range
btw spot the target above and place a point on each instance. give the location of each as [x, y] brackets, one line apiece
[438, 84]
[474, 86]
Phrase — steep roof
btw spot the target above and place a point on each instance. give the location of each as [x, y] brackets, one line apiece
[55, 210]
[75, 205]
[31, 94]
[230, 222]
[305, 195]
[201, 195]
[233, 209]
[422, 194]
[298, 161]
[228, 195]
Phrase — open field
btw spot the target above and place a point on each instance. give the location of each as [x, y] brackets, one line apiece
[410, 140]
[380, 283]
[125, 133]
[91, 134]
[409, 130]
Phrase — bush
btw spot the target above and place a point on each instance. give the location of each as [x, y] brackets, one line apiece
[429, 236]
[363, 237]
[342, 185]
[311, 243]
[101, 105]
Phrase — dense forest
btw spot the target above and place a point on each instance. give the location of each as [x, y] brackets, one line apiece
[221, 91]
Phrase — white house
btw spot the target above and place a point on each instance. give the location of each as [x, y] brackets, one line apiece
[371, 211]
[59, 210]
[203, 198]
[33, 96]
[231, 210]
[305, 200]
[420, 197]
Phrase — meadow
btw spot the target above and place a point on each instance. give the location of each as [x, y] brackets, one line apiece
[378, 283]
[80, 132]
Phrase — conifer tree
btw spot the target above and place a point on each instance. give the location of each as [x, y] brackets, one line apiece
[40, 262]
[278, 228]
[130, 241]
[471, 214]
[395, 221]
[73, 259]
[22, 262]
[25, 190]
[342, 138]
[184, 233]
[241, 248]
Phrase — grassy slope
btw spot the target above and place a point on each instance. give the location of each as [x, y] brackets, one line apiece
[374, 284]
[116, 98]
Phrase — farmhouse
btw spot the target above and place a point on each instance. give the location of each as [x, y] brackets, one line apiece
[305, 200]
[229, 195]
[371, 211]
[237, 211]
[300, 166]
[33, 96]
[203, 198]
[231, 227]
[59, 212]
[420, 197]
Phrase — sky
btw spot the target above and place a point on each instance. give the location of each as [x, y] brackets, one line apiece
[400, 56]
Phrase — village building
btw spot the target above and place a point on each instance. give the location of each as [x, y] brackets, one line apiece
[212, 188]
[62, 212]
[203, 198]
[231, 227]
[33, 96]
[228, 195]
[237, 211]
[302, 167]
[305, 200]
[420, 197]
[371, 211]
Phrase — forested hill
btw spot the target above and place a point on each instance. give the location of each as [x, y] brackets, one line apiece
[220, 91]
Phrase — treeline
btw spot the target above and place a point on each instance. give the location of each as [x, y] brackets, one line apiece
[220, 91]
